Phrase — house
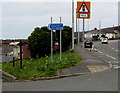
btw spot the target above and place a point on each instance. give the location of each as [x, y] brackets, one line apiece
[111, 33]
[16, 50]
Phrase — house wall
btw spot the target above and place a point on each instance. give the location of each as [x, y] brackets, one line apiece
[109, 35]
[16, 52]
[26, 52]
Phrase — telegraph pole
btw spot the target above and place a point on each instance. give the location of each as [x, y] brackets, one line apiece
[99, 28]
[73, 25]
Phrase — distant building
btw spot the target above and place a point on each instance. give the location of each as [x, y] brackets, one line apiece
[16, 50]
[111, 33]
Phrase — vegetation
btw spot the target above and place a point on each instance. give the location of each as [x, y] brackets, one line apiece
[40, 40]
[103, 35]
[95, 37]
[43, 67]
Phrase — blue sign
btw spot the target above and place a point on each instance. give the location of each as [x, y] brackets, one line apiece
[58, 26]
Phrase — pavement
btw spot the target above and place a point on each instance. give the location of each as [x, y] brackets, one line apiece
[93, 61]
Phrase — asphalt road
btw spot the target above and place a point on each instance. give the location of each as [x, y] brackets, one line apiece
[100, 81]
[110, 49]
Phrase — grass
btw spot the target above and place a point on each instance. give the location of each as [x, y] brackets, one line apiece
[43, 67]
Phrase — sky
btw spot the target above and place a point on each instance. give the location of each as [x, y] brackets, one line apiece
[18, 18]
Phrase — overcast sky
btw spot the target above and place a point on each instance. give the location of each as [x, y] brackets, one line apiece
[20, 18]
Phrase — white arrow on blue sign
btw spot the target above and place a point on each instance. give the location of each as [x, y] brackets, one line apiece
[57, 26]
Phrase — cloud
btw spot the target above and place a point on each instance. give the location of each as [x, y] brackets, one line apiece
[20, 18]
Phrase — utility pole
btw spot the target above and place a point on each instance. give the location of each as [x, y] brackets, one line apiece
[100, 28]
[73, 25]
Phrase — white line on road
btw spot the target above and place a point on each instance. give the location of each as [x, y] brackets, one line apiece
[116, 50]
[107, 55]
[113, 48]
[100, 52]
[112, 57]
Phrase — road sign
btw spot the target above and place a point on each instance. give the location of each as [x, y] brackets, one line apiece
[83, 10]
[57, 26]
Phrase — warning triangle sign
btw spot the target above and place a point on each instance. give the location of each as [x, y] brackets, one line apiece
[83, 8]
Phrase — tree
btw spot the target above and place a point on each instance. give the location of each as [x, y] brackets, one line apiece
[103, 35]
[40, 40]
[95, 37]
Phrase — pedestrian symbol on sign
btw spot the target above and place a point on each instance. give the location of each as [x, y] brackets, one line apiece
[83, 8]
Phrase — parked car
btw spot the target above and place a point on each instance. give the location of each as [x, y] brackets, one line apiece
[104, 40]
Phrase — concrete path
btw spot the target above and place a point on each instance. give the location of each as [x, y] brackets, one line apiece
[92, 62]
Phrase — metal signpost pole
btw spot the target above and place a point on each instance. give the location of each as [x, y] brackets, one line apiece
[76, 22]
[73, 25]
[83, 25]
[83, 30]
[13, 62]
[51, 44]
[60, 44]
[78, 33]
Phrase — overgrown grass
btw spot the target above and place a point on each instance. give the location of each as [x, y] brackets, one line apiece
[43, 67]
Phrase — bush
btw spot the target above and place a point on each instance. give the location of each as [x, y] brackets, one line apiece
[40, 40]
[95, 37]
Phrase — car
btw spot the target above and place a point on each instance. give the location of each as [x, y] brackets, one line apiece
[88, 44]
[104, 40]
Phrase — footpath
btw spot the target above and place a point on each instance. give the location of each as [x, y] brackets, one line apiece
[93, 61]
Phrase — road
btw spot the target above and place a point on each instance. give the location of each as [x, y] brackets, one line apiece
[100, 81]
[110, 51]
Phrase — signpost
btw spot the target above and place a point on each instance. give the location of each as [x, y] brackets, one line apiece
[56, 26]
[21, 52]
[83, 12]
[51, 42]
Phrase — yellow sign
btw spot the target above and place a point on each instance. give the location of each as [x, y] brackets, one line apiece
[83, 10]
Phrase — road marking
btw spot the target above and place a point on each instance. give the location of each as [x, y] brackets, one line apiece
[100, 52]
[112, 57]
[116, 50]
[107, 55]
[113, 48]
[116, 66]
